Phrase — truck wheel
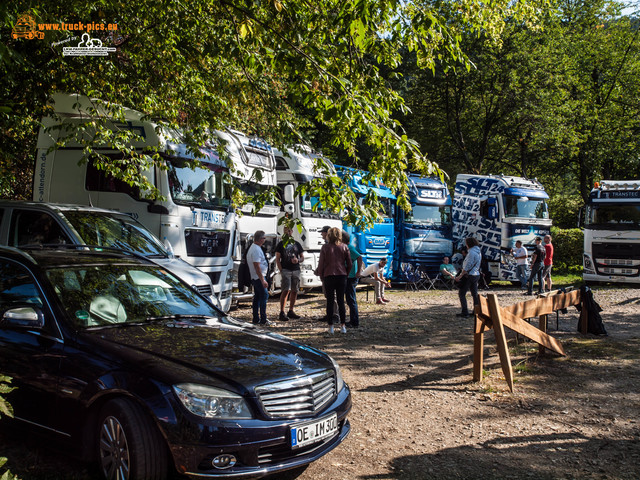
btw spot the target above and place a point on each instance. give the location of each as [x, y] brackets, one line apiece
[129, 446]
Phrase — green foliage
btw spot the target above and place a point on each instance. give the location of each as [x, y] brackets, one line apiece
[279, 69]
[564, 209]
[5, 409]
[568, 248]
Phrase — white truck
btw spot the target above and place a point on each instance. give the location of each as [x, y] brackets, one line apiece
[498, 210]
[294, 167]
[196, 218]
[612, 232]
[254, 170]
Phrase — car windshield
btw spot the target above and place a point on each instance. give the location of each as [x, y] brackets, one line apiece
[113, 230]
[204, 187]
[429, 215]
[106, 294]
[525, 207]
[621, 216]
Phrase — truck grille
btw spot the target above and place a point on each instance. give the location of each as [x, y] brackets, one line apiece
[204, 290]
[298, 397]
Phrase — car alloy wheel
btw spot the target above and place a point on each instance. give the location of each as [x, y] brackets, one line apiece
[114, 450]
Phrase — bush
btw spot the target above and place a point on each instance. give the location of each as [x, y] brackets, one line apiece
[564, 209]
[568, 248]
[5, 409]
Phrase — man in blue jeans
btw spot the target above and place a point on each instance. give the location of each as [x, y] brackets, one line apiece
[352, 281]
[537, 259]
[469, 276]
[258, 266]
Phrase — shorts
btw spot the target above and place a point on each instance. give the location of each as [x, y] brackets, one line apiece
[547, 271]
[290, 280]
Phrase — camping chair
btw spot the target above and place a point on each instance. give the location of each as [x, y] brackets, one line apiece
[443, 281]
[426, 282]
[412, 276]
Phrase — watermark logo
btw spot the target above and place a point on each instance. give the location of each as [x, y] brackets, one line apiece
[25, 27]
[88, 46]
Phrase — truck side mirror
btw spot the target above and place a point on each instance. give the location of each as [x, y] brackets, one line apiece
[288, 193]
[492, 209]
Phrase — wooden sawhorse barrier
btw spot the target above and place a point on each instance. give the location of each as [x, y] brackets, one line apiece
[489, 314]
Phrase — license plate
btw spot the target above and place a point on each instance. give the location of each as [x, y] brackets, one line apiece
[313, 432]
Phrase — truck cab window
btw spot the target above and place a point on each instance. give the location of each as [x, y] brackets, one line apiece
[100, 181]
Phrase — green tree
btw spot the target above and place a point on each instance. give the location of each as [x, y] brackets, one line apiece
[274, 68]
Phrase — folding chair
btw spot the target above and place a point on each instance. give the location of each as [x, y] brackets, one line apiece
[445, 282]
[425, 282]
[412, 277]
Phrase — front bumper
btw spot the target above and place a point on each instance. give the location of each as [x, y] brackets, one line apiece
[261, 447]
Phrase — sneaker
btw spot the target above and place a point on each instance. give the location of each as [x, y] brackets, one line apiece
[282, 317]
[462, 315]
[266, 323]
[379, 302]
[331, 329]
[385, 300]
[293, 315]
[343, 328]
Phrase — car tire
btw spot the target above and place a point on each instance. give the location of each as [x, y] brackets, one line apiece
[128, 443]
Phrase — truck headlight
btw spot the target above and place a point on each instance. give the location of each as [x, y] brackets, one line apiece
[588, 265]
[210, 402]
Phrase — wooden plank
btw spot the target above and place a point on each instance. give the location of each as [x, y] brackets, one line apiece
[518, 325]
[542, 326]
[501, 339]
[584, 318]
[544, 306]
[478, 349]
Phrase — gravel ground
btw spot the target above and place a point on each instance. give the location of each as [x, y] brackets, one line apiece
[417, 414]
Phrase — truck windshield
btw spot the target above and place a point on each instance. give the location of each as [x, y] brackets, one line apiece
[311, 207]
[429, 215]
[616, 217]
[387, 206]
[524, 207]
[204, 187]
[114, 230]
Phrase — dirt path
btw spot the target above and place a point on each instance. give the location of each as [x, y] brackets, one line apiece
[418, 415]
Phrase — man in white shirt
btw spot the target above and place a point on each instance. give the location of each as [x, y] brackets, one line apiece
[258, 266]
[374, 274]
[520, 254]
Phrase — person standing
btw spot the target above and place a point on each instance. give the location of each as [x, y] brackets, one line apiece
[323, 233]
[537, 259]
[469, 275]
[333, 266]
[521, 255]
[258, 266]
[548, 262]
[352, 281]
[374, 274]
[289, 254]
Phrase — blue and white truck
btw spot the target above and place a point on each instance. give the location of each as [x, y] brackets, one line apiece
[498, 210]
[425, 233]
[612, 233]
[378, 241]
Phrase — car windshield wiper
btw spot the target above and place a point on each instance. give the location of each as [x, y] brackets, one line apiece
[179, 316]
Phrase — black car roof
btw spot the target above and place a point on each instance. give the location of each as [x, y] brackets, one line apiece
[52, 256]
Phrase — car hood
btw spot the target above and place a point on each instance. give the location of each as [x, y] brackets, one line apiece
[188, 273]
[221, 354]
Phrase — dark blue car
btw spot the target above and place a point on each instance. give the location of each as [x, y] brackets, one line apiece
[117, 358]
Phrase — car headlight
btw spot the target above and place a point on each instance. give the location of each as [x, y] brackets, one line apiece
[210, 402]
[339, 380]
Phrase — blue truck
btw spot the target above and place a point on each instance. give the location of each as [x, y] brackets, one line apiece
[378, 241]
[425, 233]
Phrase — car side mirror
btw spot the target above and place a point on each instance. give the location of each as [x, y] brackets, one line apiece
[24, 316]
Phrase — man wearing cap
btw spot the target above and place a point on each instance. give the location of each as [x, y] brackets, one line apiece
[258, 265]
[537, 259]
[289, 254]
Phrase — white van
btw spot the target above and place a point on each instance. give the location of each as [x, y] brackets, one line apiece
[195, 217]
[33, 223]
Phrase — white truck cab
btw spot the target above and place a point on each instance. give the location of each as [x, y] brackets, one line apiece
[195, 217]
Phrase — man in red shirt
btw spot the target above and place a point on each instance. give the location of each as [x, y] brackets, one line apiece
[548, 262]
